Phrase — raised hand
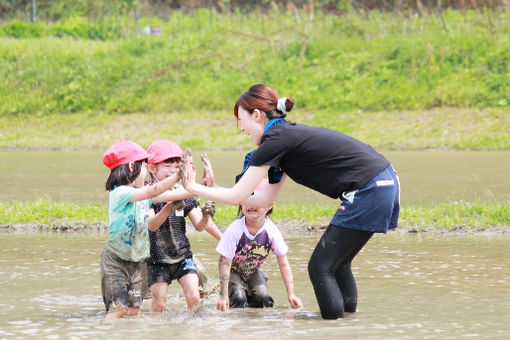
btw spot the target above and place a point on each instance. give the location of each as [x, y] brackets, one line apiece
[208, 176]
[187, 171]
[209, 208]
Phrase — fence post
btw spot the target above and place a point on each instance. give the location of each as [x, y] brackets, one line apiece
[33, 11]
[137, 18]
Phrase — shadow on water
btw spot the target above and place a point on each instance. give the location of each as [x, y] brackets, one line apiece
[410, 286]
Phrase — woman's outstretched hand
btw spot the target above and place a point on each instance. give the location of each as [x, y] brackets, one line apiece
[208, 176]
[187, 171]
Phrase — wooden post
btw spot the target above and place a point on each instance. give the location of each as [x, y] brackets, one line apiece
[33, 11]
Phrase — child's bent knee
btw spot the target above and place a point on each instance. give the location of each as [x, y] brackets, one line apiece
[237, 299]
[158, 305]
[193, 299]
[261, 301]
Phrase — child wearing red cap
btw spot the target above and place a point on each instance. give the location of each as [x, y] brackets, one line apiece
[244, 248]
[128, 240]
[171, 257]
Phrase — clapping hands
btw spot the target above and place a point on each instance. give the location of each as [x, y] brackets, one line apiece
[188, 173]
[208, 176]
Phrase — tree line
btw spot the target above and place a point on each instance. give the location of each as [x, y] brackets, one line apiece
[53, 10]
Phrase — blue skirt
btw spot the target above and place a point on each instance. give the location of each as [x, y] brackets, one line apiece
[374, 207]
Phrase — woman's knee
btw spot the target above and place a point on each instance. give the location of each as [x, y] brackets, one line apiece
[316, 269]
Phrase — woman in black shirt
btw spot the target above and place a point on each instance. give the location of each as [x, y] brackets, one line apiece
[327, 161]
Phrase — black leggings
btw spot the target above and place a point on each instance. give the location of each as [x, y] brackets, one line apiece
[330, 270]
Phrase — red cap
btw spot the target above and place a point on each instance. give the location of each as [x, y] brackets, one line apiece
[122, 153]
[162, 150]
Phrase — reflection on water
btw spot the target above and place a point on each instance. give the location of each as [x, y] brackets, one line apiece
[410, 286]
[428, 177]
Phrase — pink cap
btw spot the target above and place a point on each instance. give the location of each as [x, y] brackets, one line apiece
[163, 149]
[122, 153]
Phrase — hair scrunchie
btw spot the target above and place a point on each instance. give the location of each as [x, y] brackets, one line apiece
[281, 105]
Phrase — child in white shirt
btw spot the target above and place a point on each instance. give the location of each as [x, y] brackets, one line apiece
[243, 248]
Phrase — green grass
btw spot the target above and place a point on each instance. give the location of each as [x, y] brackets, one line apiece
[447, 217]
[46, 211]
[204, 60]
[444, 128]
[395, 82]
[458, 215]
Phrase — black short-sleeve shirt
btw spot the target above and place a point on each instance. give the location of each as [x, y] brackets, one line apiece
[169, 244]
[319, 158]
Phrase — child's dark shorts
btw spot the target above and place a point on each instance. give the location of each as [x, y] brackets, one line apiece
[374, 207]
[252, 292]
[168, 272]
[121, 282]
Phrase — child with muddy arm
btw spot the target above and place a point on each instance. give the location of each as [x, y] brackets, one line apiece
[244, 248]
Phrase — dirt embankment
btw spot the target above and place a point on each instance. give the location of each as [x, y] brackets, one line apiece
[288, 228]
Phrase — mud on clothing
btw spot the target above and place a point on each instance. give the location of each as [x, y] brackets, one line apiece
[247, 283]
[169, 244]
[249, 252]
[165, 272]
[127, 245]
[121, 282]
[252, 293]
[128, 236]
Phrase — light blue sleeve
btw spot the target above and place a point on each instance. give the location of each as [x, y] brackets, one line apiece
[120, 196]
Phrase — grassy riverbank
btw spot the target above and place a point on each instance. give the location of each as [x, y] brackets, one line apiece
[396, 82]
[442, 128]
[203, 60]
[459, 216]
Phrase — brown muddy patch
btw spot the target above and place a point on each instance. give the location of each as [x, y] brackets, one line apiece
[289, 228]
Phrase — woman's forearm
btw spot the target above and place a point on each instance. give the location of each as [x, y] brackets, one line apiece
[173, 195]
[235, 195]
[154, 190]
[217, 194]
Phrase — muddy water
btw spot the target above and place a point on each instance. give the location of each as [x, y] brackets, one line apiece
[417, 287]
[427, 177]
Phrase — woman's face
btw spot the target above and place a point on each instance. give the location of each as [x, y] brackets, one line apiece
[252, 124]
